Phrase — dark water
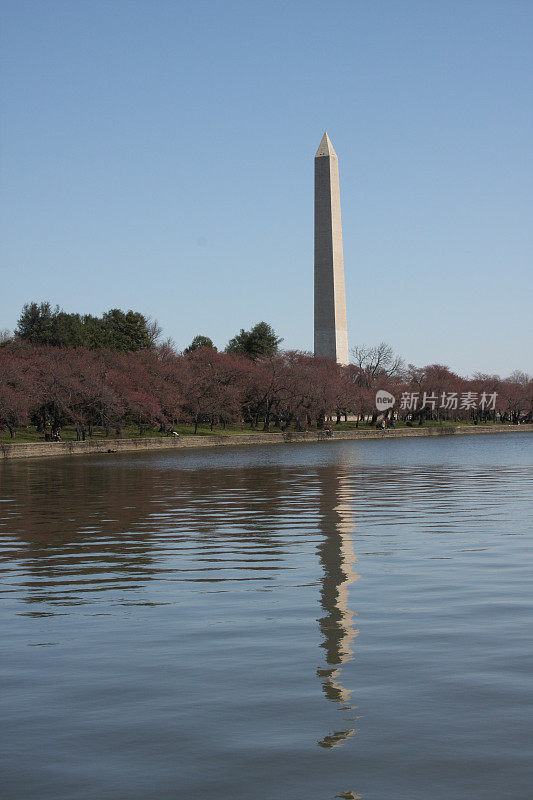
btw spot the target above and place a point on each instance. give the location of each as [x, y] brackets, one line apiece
[302, 622]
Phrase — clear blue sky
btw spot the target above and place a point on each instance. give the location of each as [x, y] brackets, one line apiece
[159, 156]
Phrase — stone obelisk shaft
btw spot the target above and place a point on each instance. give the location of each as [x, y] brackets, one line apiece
[331, 329]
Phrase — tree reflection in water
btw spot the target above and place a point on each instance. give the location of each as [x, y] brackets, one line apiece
[90, 534]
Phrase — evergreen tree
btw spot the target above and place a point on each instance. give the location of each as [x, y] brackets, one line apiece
[36, 323]
[114, 330]
[261, 340]
[126, 331]
[197, 342]
[68, 330]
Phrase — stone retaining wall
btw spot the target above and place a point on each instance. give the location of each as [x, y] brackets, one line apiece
[10, 450]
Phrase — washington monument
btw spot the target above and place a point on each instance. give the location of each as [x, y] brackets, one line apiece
[331, 329]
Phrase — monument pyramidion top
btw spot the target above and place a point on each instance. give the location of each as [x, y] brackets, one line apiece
[325, 147]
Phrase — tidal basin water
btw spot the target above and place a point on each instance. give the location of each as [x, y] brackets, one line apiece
[296, 622]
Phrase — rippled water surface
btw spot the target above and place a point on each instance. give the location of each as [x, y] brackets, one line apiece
[299, 622]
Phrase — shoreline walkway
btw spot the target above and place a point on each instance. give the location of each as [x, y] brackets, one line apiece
[9, 450]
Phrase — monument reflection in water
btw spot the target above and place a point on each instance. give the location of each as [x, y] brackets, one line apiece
[163, 618]
[337, 557]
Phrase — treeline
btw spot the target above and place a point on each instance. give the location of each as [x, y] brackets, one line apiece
[50, 386]
[127, 331]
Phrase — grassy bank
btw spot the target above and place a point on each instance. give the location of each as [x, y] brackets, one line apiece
[68, 433]
[40, 449]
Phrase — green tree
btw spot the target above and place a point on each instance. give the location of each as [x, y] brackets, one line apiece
[35, 323]
[68, 330]
[261, 340]
[114, 330]
[39, 323]
[126, 331]
[197, 342]
[95, 333]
